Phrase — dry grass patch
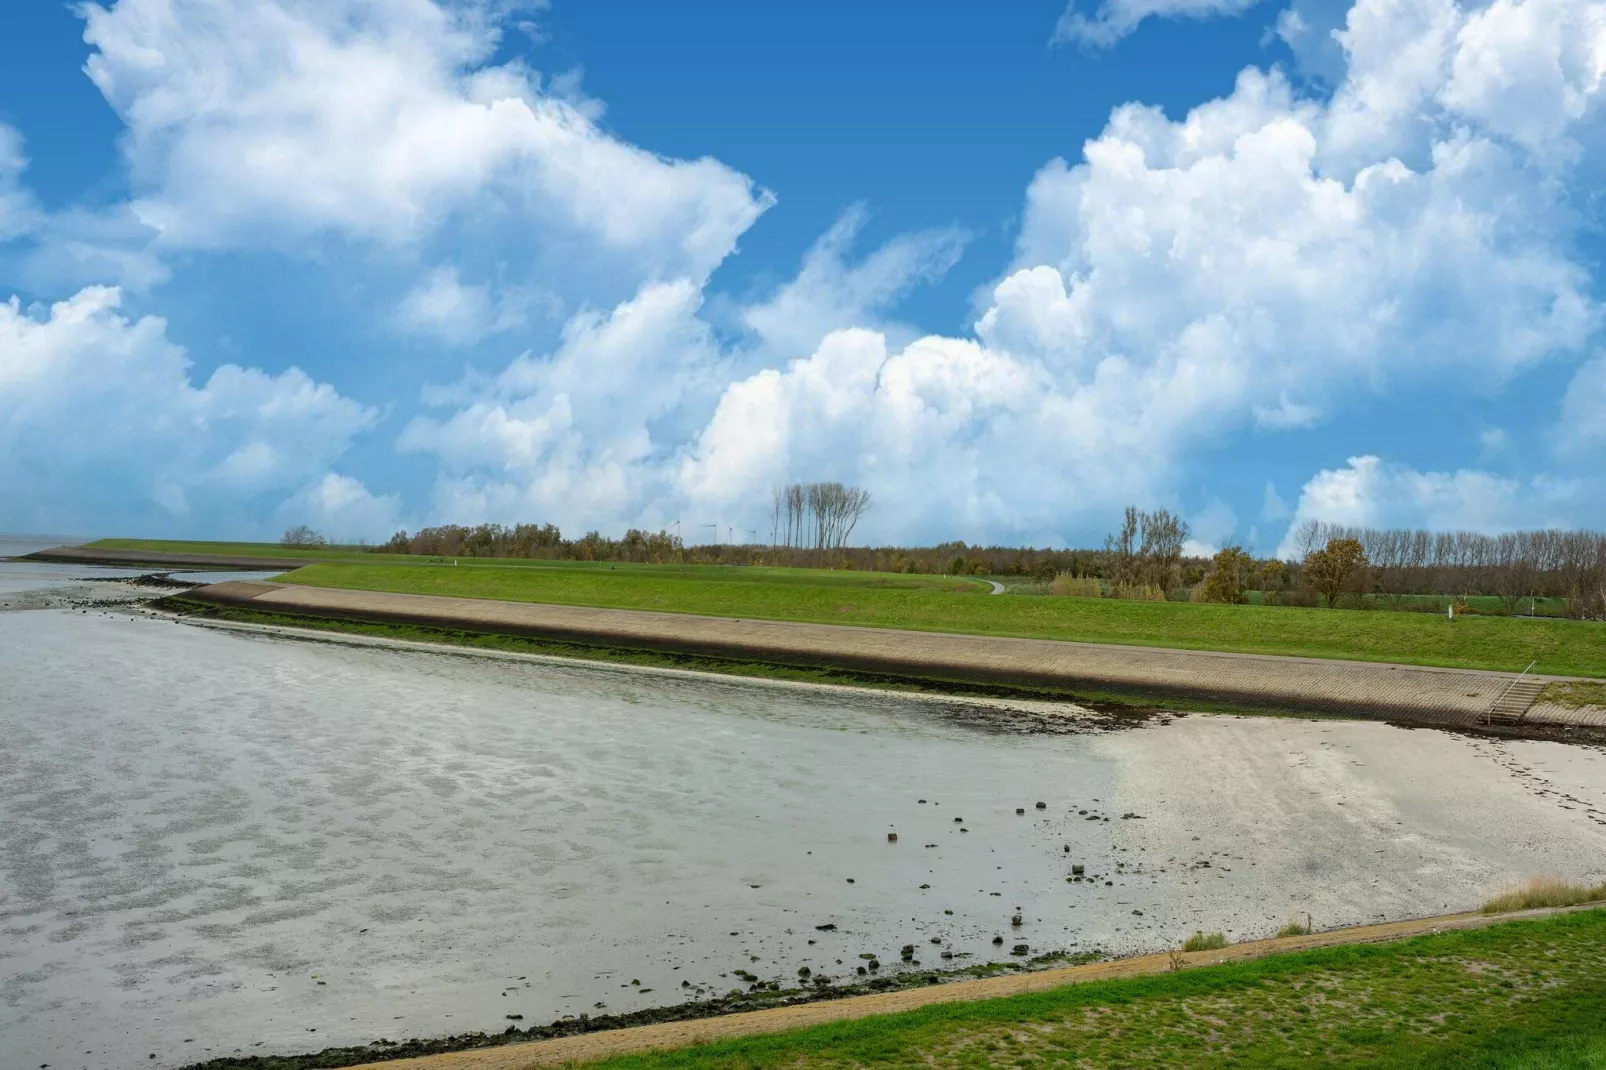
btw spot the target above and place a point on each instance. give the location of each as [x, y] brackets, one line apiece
[1076, 586]
[1548, 891]
[1203, 941]
[1295, 927]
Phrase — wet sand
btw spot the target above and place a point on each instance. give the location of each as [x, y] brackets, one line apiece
[214, 843]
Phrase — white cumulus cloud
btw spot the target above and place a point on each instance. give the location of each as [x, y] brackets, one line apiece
[271, 122]
[1112, 20]
[1369, 492]
[100, 423]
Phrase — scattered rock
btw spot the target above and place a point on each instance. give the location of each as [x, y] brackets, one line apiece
[958, 820]
[1019, 949]
[1132, 817]
[997, 941]
[514, 1017]
[1138, 913]
[828, 927]
[1042, 806]
[1077, 868]
[804, 971]
[892, 837]
[1015, 921]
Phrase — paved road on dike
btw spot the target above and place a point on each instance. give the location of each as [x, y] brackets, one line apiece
[1404, 692]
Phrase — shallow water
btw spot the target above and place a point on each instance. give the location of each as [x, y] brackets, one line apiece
[213, 842]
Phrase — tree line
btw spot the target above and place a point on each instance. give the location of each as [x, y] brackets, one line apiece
[811, 524]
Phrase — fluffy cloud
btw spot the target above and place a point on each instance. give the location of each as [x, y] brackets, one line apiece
[831, 291]
[1367, 492]
[1582, 427]
[18, 214]
[100, 423]
[1114, 19]
[595, 430]
[568, 436]
[951, 436]
[255, 123]
[448, 310]
[1265, 259]
[342, 509]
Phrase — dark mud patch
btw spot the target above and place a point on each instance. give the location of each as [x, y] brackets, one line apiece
[149, 580]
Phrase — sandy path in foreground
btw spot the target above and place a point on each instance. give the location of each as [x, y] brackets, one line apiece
[670, 1035]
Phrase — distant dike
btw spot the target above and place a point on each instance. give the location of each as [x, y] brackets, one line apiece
[1070, 670]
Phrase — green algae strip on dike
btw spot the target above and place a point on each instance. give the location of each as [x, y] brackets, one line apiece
[1561, 648]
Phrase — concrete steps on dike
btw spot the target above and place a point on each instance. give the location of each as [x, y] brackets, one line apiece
[1514, 703]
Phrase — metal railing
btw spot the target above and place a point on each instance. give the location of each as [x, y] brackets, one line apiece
[1488, 717]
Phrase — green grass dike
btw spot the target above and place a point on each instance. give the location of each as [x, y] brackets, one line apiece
[943, 604]
[1527, 994]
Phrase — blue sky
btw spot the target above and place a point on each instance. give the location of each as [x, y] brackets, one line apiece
[380, 263]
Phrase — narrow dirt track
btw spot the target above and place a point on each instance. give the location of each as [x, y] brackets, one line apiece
[671, 1035]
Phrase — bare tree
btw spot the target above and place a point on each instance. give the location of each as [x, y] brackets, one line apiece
[1121, 548]
[302, 537]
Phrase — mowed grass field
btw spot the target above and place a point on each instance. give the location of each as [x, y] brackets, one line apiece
[928, 603]
[1526, 994]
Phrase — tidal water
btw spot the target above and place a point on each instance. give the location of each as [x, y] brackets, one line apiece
[216, 842]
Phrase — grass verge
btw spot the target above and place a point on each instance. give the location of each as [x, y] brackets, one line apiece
[1573, 648]
[1574, 694]
[1523, 994]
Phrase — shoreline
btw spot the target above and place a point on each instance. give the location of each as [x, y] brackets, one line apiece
[1093, 716]
[1074, 671]
[1012, 708]
[570, 1041]
[80, 555]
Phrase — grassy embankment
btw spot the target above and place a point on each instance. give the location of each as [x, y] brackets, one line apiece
[1569, 648]
[1528, 994]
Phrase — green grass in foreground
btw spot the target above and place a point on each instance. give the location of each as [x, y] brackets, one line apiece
[1527, 994]
[1568, 648]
